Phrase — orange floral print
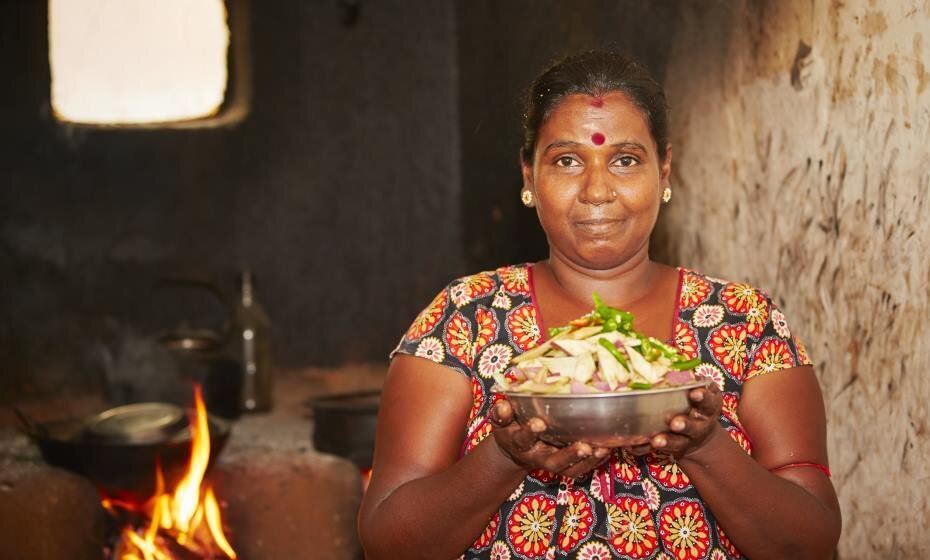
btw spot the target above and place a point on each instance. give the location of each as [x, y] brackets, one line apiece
[684, 531]
[529, 528]
[487, 536]
[772, 354]
[625, 468]
[477, 393]
[740, 437]
[738, 298]
[756, 317]
[632, 530]
[728, 345]
[524, 327]
[458, 339]
[487, 329]
[471, 288]
[577, 520]
[694, 290]
[429, 317]
[685, 340]
[477, 435]
[665, 470]
[730, 404]
[516, 279]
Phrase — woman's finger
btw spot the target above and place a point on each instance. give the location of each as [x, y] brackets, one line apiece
[501, 414]
[667, 442]
[525, 437]
[680, 424]
[566, 457]
[706, 400]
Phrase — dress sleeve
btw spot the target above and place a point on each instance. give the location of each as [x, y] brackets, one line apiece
[427, 335]
[776, 347]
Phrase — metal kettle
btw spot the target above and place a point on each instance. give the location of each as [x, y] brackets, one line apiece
[207, 356]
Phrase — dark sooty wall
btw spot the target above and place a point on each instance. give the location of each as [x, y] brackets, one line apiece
[501, 48]
[379, 160]
[340, 189]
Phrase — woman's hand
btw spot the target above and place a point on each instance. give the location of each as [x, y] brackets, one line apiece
[521, 444]
[689, 432]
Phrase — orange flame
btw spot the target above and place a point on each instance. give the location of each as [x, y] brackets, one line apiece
[189, 517]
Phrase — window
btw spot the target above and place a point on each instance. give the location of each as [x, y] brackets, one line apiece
[141, 62]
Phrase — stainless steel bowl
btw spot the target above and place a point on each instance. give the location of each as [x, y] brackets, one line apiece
[604, 419]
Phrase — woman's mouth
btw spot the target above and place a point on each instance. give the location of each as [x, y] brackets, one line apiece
[598, 226]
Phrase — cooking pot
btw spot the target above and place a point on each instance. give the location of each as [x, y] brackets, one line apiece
[122, 467]
[344, 425]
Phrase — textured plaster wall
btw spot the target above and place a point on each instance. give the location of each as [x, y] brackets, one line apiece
[800, 135]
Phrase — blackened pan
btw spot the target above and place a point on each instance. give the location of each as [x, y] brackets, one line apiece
[124, 471]
[344, 425]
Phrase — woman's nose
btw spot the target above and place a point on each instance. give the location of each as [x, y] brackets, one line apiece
[597, 189]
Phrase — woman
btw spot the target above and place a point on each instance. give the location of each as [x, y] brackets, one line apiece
[743, 474]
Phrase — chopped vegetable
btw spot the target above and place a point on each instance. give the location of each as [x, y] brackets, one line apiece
[598, 352]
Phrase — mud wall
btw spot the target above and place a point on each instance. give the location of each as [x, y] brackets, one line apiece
[800, 140]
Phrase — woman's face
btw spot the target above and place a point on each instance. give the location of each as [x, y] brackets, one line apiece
[597, 180]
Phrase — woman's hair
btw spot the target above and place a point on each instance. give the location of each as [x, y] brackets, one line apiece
[595, 73]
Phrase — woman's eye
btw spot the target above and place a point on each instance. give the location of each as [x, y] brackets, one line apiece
[626, 161]
[565, 161]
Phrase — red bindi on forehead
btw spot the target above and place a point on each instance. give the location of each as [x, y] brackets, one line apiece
[597, 138]
[597, 101]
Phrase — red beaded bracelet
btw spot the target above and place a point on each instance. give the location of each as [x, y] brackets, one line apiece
[817, 466]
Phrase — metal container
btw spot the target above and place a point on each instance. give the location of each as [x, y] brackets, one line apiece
[201, 357]
[121, 470]
[344, 425]
[604, 419]
[138, 423]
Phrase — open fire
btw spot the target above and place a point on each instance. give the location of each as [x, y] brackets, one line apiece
[181, 523]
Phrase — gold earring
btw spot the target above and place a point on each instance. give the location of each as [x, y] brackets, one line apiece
[527, 197]
[667, 194]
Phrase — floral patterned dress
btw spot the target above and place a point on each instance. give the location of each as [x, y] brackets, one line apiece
[630, 507]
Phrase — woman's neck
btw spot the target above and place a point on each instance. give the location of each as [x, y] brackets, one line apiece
[620, 286]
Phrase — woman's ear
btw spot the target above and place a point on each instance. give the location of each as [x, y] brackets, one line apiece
[526, 170]
[665, 170]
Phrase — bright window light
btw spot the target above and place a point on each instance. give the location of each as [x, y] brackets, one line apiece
[137, 61]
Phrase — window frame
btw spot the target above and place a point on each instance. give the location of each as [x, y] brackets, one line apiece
[237, 100]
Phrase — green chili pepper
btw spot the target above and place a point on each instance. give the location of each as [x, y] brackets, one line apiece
[638, 385]
[614, 319]
[646, 348]
[602, 309]
[690, 364]
[624, 321]
[556, 330]
[668, 351]
[608, 345]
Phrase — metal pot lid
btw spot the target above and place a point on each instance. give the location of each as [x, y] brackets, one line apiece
[138, 423]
